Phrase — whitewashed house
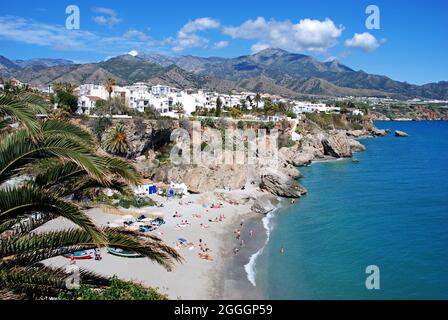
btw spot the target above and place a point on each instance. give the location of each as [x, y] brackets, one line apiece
[86, 104]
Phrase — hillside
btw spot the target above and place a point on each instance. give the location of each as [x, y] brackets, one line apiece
[272, 71]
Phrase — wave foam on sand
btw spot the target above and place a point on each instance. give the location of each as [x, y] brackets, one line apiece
[251, 265]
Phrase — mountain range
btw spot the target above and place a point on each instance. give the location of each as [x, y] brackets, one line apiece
[272, 71]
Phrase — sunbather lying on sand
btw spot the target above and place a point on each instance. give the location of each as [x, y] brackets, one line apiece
[205, 256]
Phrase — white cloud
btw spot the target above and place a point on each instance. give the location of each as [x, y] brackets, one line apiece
[365, 41]
[58, 37]
[108, 17]
[136, 35]
[187, 37]
[220, 44]
[307, 35]
[200, 24]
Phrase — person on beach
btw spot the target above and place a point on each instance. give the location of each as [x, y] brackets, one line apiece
[235, 251]
[282, 250]
[251, 233]
[238, 234]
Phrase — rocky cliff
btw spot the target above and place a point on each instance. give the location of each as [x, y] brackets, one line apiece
[149, 147]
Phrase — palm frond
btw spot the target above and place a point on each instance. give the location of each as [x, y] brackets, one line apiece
[33, 281]
[33, 248]
[67, 131]
[18, 150]
[26, 200]
[24, 224]
[23, 109]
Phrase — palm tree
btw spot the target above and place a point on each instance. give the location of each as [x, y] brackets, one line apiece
[109, 85]
[116, 140]
[179, 109]
[37, 174]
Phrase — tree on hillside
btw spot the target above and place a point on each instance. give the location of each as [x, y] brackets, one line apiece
[115, 105]
[64, 96]
[116, 140]
[218, 107]
[109, 84]
[179, 109]
[243, 106]
[235, 113]
[267, 106]
[257, 99]
[249, 99]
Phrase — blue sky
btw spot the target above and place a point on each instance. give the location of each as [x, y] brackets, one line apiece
[410, 45]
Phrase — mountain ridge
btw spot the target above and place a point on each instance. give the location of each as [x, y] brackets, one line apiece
[276, 71]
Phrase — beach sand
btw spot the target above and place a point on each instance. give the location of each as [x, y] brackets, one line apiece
[195, 278]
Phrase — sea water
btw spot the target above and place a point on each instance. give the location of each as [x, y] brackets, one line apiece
[390, 211]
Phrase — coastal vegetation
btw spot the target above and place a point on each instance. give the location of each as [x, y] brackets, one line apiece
[116, 140]
[117, 290]
[43, 165]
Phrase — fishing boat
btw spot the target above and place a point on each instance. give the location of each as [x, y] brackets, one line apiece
[123, 253]
[80, 255]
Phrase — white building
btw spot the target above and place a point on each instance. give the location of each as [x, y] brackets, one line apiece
[95, 90]
[308, 107]
[87, 103]
[357, 112]
[162, 90]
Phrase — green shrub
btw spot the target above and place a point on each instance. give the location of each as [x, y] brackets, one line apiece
[134, 201]
[291, 115]
[118, 290]
[208, 122]
[241, 125]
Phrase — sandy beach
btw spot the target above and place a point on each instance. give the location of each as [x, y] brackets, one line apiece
[195, 278]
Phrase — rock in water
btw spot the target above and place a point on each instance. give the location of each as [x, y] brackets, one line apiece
[378, 132]
[357, 133]
[281, 185]
[402, 134]
[337, 145]
[356, 146]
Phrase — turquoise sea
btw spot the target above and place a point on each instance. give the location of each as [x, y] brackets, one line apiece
[389, 210]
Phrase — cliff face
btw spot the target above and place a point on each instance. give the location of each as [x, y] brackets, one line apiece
[150, 146]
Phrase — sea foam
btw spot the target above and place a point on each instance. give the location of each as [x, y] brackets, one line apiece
[251, 265]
